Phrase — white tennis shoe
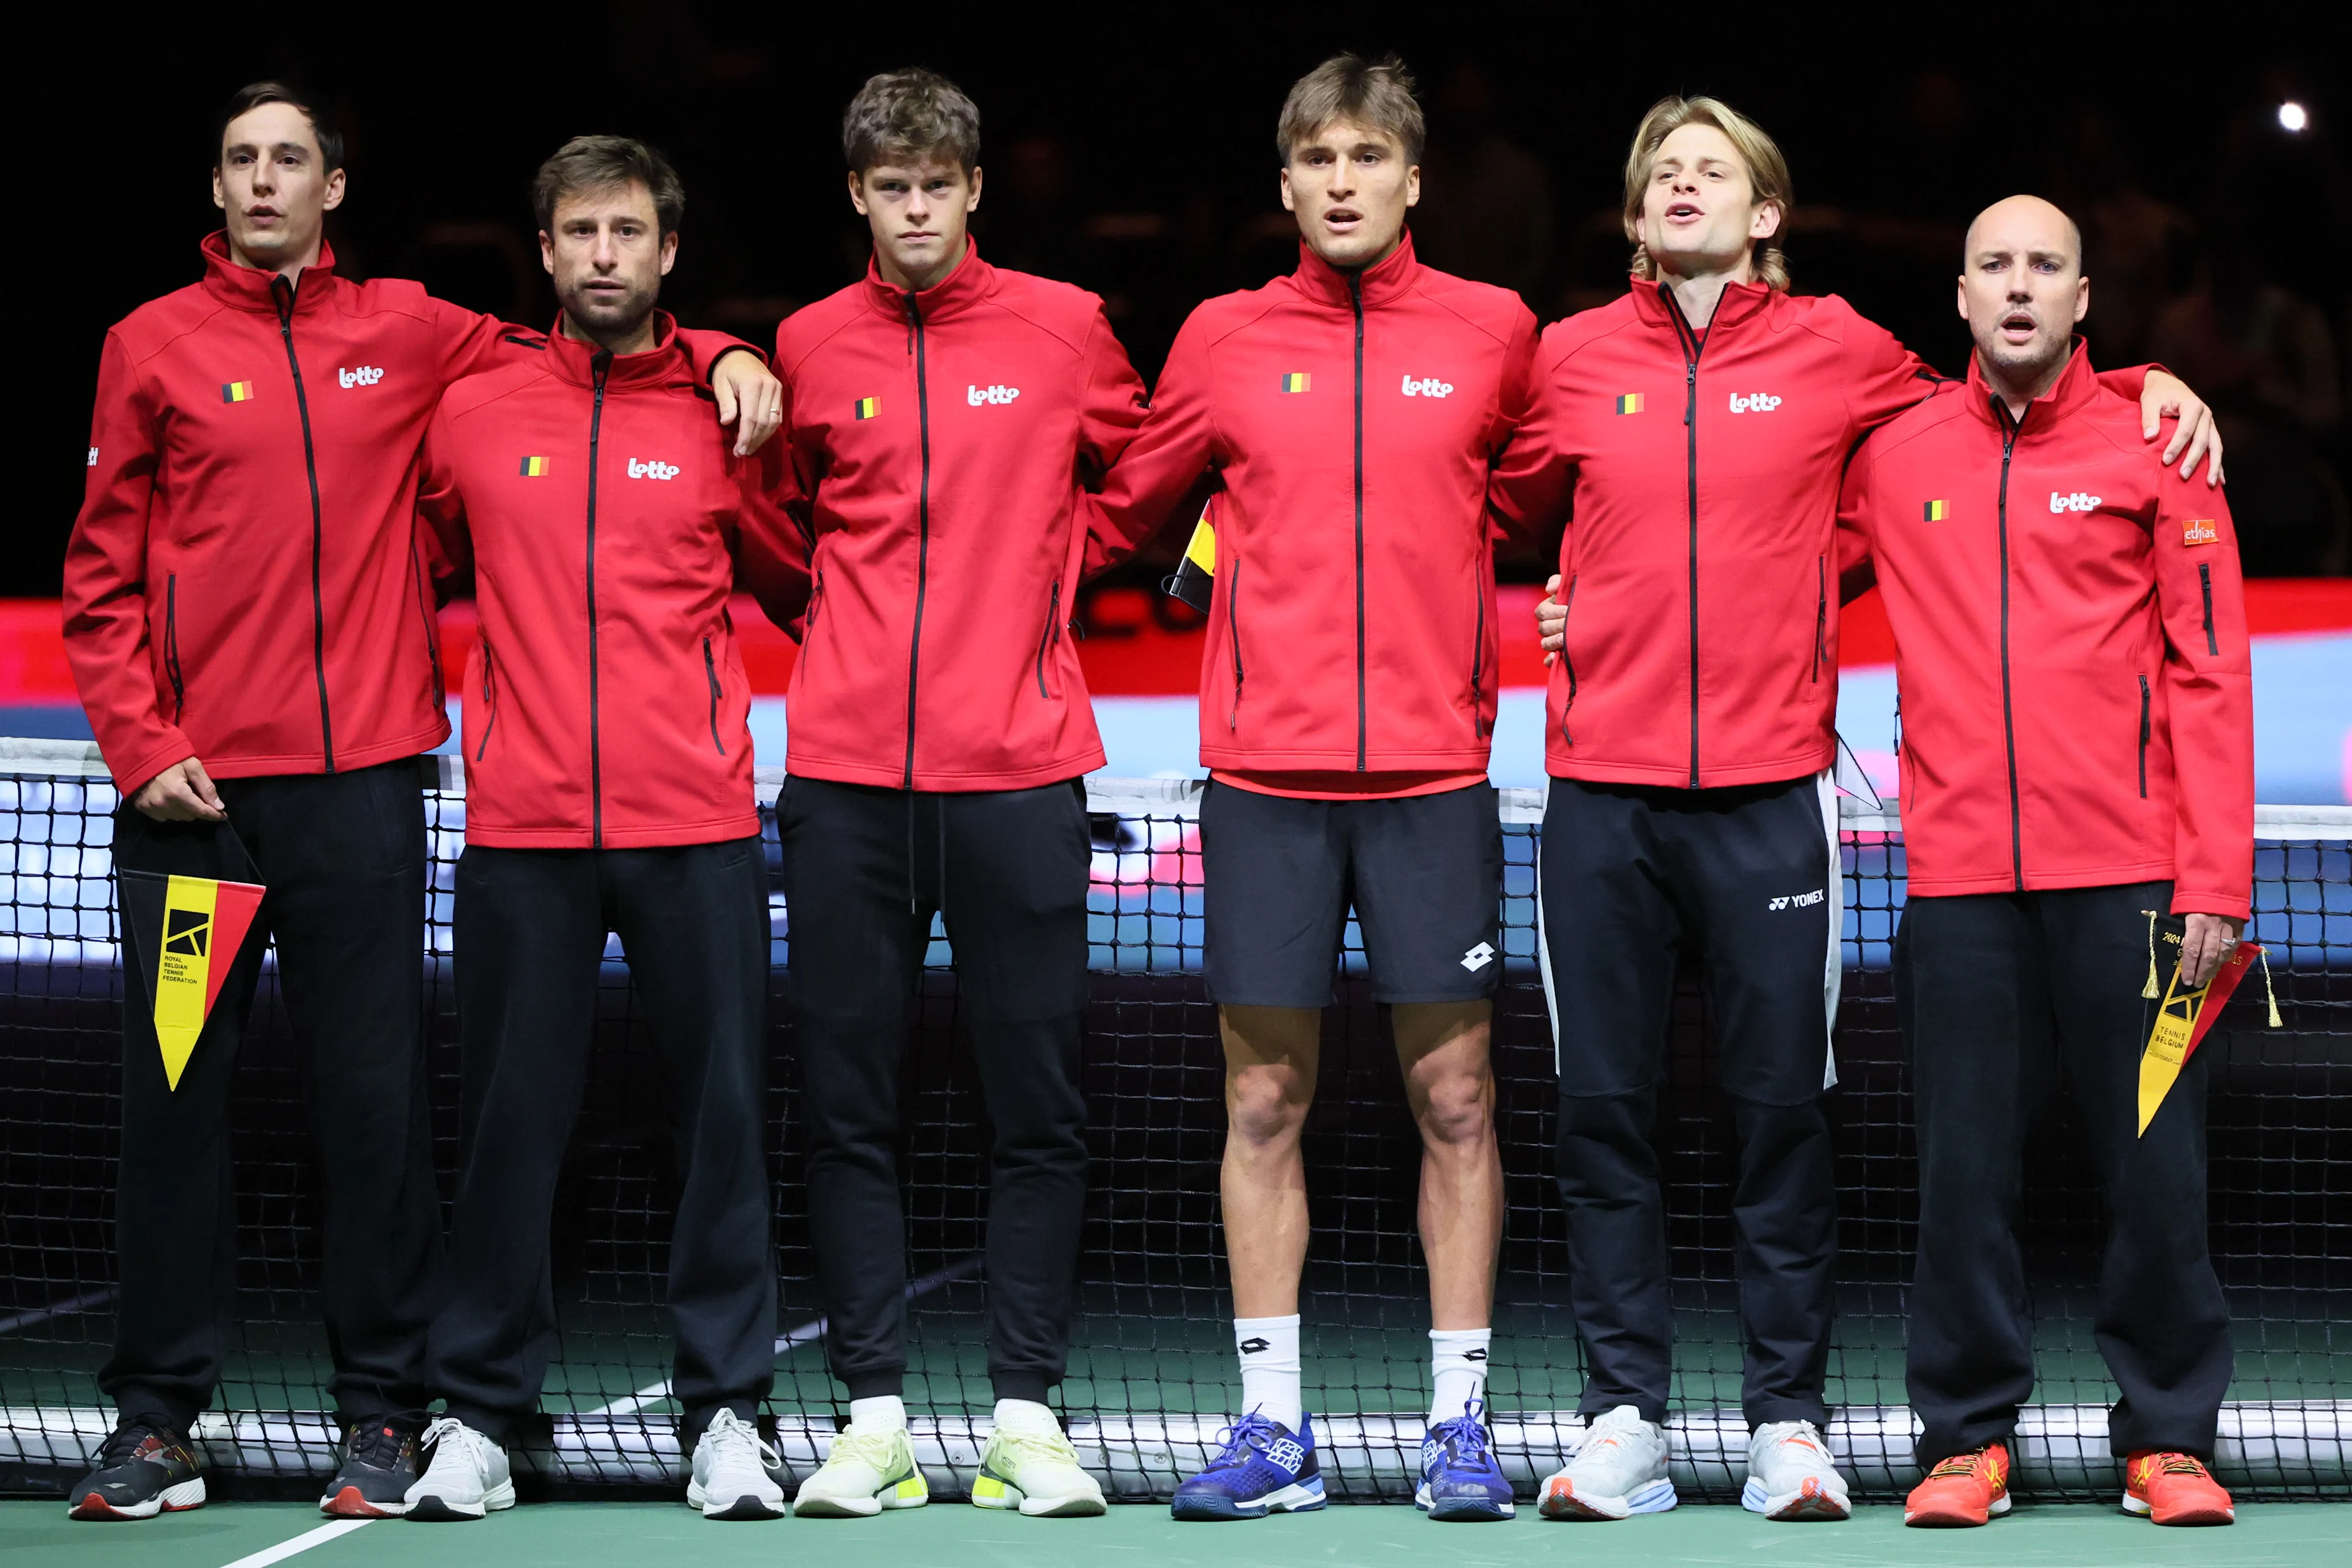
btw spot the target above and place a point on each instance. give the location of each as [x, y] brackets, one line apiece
[734, 1472]
[1036, 1472]
[864, 1472]
[467, 1479]
[1619, 1471]
[1790, 1475]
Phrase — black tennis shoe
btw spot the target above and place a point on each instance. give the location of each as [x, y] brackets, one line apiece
[143, 1468]
[379, 1466]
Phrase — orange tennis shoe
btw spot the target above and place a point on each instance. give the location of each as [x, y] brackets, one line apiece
[1967, 1488]
[2174, 1488]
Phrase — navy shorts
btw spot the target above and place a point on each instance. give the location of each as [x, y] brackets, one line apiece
[1424, 873]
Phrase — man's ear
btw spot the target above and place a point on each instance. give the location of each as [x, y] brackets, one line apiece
[335, 185]
[220, 195]
[1767, 221]
[857, 192]
[972, 202]
[1287, 204]
[2082, 298]
[547, 252]
[1412, 186]
[669, 252]
[1963, 294]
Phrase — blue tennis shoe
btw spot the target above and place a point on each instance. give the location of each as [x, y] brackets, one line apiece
[1263, 1468]
[1460, 1479]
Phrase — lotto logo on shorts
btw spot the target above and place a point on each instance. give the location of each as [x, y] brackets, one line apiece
[534, 467]
[1297, 381]
[2199, 531]
[1477, 958]
[1631, 402]
[1935, 511]
[237, 391]
[867, 408]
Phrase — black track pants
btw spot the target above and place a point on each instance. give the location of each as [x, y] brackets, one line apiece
[865, 870]
[531, 926]
[343, 858]
[1747, 876]
[2000, 994]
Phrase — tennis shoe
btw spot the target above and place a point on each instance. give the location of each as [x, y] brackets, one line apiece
[2174, 1488]
[1966, 1490]
[466, 1478]
[1619, 1471]
[864, 1472]
[1461, 1481]
[143, 1468]
[1790, 1475]
[1263, 1467]
[379, 1466]
[735, 1474]
[1036, 1472]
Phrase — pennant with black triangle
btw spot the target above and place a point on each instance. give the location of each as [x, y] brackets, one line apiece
[185, 934]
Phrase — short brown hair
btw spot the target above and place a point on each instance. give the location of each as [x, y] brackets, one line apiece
[600, 164]
[1768, 175]
[253, 95]
[907, 116]
[1377, 94]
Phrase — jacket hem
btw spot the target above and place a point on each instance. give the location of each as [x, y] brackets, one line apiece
[937, 781]
[347, 758]
[1250, 759]
[2086, 877]
[662, 835]
[1779, 770]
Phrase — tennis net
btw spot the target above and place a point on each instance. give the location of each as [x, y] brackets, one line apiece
[1151, 1375]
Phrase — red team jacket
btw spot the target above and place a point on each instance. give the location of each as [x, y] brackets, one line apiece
[1350, 425]
[1699, 572]
[243, 584]
[599, 503]
[2070, 635]
[941, 442]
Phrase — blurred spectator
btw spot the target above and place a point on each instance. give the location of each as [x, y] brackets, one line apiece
[483, 266]
[1485, 209]
[2136, 250]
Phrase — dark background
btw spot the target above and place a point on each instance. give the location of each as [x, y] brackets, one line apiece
[1129, 149]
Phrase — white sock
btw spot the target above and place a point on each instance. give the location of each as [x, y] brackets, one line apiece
[1269, 1351]
[1026, 1415]
[1458, 1368]
[883, 1413]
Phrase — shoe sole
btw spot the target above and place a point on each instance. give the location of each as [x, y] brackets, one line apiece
[351, 1503]
[430, 1509]
[1940, 1519]
[749, 1506]
[1810, 1503]
[2185, 1518]
[1212, 1510]
[170, 1500]
[806, 1507]
[1565, 1507]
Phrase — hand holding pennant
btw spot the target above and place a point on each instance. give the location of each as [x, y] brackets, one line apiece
[185, 934]
[2184, 1016]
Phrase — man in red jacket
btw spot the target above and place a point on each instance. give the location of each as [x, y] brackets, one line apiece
[251, 629]
[943, 414]
[1346, 416]
[2078, 737]
[609, 791]
[1695, 432]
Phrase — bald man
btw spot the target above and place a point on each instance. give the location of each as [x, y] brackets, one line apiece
[2077, 759]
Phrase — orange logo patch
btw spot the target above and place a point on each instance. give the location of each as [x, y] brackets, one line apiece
[2199, 531]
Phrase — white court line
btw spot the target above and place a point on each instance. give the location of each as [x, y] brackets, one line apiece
[88, 1300]
[792, 1339]
[303, 1542]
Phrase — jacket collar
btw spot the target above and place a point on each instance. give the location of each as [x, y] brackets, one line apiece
[251, 288]
[967, 283]
[2075, 385]
[575, 362]
[1383, 281]
[1653, 301]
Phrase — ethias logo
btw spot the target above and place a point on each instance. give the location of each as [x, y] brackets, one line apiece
[1754, 403]
[2078, 501]
[1429, 386]
[366, 376]
[652, 470]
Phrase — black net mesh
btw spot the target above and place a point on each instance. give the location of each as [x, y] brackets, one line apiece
[1152, 1376]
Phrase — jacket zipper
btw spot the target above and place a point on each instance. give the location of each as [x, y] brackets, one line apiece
[2143, 737]
[172, 645]
[2010, 428]
[1820, 614]
[489, 698]
[710, 669]
[1355, 293]
[601, 365]
[1234, 626]
[923, 524]
[1046, 639]
[282, 295]
[2205, 582]
[1568, 662]
[1691, 348]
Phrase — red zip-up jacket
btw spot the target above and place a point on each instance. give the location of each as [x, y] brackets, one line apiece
[244, 584]
[1349, 424]
[1701, 470]
[603, 512]
[2069, 639]
[941, 441]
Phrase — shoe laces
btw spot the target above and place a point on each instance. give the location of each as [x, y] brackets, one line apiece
[124, 1440]
[1959, 1466]
[1031, 1448]
[875, 1449]
[1803, 1432]
[2181, 1465]
[376, 1442]
[1464, 1436]
[449, 1428]
[732, 1438]
[1251, 1434]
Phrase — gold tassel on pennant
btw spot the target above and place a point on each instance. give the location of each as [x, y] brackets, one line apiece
[2149, 991]
[2268, 988]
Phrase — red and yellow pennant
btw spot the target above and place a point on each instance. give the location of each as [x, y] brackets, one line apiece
[186, 934]
[2184, 1016]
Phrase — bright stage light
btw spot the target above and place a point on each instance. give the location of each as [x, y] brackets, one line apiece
[2293, 117]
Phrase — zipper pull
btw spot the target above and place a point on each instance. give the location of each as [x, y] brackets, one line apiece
[1690, 393]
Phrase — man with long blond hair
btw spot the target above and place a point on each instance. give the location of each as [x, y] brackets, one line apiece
[1696, 431]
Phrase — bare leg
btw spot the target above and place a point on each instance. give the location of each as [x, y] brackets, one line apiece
[1449, 1079]
[1271, 1054]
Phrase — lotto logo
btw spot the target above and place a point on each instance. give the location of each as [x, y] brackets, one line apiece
[1285, 1454]
[976, 396]
[1797, 900]
[1478, 958]
[2078, 501]
[1754, 403]
[1429, 386]
[93, 456]
[652, 470]
[366, 376]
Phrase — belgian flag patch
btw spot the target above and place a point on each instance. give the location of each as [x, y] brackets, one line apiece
[237, 391]
[1298, 381]
[867, 408]
[1629, 402]
[1935, 511]
[534, 467]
